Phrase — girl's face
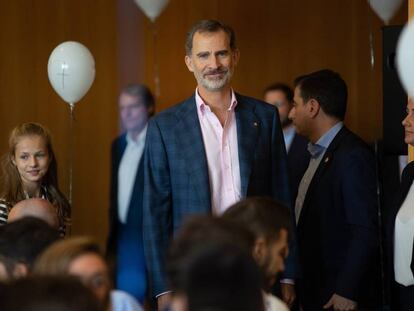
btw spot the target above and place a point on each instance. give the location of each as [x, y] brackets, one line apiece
[31, 158]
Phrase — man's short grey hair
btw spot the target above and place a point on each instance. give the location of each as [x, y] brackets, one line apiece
[209, 25]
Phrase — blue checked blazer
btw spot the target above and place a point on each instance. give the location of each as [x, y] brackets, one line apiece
[176, 181]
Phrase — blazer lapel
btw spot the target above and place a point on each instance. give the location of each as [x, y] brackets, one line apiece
[120, 149]
[189, 140]
[248, 127]
[323, 165]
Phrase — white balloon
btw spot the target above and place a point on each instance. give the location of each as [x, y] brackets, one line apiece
[385, 9]
[405, 58]
[152, 8]
[71, 71]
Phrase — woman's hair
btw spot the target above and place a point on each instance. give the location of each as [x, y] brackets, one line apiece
[12, 187]
[56, 259]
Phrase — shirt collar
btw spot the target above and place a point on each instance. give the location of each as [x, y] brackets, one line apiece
[202, 106]
[289, 130]
[325, 140]
[140, 138]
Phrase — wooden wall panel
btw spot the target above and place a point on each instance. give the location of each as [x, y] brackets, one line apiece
[278, 39]
[30, 31]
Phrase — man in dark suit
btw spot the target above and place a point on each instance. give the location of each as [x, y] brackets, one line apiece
[336, 204]
[124, 245]
[209, 151]
[280, 95]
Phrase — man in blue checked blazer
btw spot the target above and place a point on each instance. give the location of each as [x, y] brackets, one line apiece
[208, 152]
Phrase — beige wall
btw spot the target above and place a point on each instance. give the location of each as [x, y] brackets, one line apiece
[278, 39]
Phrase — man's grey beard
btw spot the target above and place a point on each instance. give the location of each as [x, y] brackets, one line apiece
[215, 85]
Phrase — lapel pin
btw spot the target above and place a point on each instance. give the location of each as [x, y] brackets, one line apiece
[327, 159]
[255, 124]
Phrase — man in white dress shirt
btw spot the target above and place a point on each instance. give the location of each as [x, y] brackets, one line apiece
[124, 247]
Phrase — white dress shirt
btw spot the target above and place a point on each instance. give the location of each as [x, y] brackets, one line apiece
[127, 172]
[288, 135]
[221, 146]
[403, 241]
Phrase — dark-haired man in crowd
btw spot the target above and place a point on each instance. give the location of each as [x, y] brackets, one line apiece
[270, 223]
[210, 267]
[209, 151]
[124, 246]
[281, 96]
[336, 203]
[21, 241]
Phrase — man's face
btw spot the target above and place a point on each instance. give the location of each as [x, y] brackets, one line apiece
[212, 61]
[93, 272]
[274, 258]
[278, 98]
[134, 113]
[299, 114]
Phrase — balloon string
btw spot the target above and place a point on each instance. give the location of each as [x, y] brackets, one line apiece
[156, 73]
[71, 146]
[371, 42]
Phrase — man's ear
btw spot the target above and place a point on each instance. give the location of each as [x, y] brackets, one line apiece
[259, 249]
[189, 62]
[314, 107]
[236, 56]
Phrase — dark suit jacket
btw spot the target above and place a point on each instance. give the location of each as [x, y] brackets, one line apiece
[337, 228]
[134, 216]
[407, 179]
[298, 161]
[176, 171]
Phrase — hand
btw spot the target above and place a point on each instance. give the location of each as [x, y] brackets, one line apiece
[340, 303]
[288, 293]
[163, 301]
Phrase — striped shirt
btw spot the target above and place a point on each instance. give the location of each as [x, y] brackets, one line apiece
[4, 211]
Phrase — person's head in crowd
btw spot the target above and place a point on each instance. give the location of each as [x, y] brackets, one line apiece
[408, 123]
[280, 95]
[29, 169]
[211, 54]
[80, 257]
[270, 223]
[136, 106]
[197, 231]
[38, 208]
[47, 294]
[210, 267]
[20, 244]
[320, 101]
[219, 277]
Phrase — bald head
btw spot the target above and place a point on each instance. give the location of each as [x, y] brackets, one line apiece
[38, 208]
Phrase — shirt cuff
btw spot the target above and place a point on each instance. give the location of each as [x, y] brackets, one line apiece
[163, 293]
[286, 281]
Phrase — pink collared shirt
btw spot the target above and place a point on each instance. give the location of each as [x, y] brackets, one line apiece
[220, 144]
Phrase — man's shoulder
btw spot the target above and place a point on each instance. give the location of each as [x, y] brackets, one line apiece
[255, 103]
[352, 146]
[119, 141]
[173, 112]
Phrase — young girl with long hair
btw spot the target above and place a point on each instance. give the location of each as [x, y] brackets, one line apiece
[29, 170]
